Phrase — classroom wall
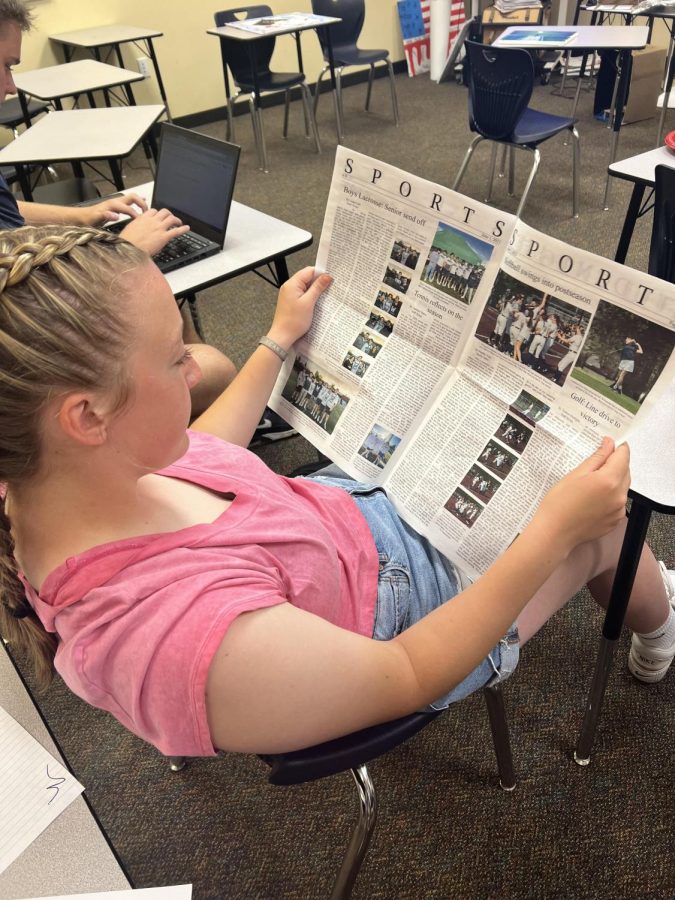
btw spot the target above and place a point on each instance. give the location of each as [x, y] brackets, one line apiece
[189, 58]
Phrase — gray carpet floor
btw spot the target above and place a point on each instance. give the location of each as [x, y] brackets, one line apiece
[445, 828]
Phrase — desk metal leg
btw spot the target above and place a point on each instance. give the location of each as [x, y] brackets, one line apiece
[629, 558]
[23, 174]
[160, 83]
[625, 62]
[116, 173]
[629, 221]
[281, 268]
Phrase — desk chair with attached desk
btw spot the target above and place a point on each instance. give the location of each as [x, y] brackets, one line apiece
[501, 81]
[344, 37]
[353, 751]
[650, 494]
[250, 68]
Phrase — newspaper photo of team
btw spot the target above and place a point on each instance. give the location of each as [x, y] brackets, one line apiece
[535, 329]
[379, 446]
[403, 253]
[396, 279]
[456, 262]
[315, 394]
[388, 303]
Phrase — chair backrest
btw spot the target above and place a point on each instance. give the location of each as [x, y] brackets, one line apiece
[500, 86]
[662, 247]
[235, 54]
[345, 33]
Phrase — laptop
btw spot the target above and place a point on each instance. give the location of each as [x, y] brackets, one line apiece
[195, 180]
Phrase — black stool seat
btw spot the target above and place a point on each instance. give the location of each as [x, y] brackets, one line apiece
[344, 753]
[11, 114]
[66, 192]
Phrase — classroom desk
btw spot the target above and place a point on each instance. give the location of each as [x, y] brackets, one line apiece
[639, 170]
[623, 38]
[603, 11]
[78, 135]
[113, 36]
[85, 76]
[652, 490]
[72, 854]
[226, 32]
[253, 240]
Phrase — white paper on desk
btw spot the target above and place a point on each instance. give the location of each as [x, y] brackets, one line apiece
[174, 892]
[34, 789]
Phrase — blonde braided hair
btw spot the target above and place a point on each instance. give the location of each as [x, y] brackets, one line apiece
[62, 328]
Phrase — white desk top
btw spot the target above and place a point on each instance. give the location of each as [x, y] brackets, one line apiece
[71, 78]
[102, 35]
[625, 9]
[71, 855]
[589, 37]
[80, 134]
[252, 238]
[641, 167]
[240, 35]
[651, 451]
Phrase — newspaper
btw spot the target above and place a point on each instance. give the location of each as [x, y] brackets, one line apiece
[280, 23]
[465, 361]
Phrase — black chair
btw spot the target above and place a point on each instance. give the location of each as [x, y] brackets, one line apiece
[352, 752]
[501, 81]
[249, 63]
[662, 247]
[344, 37]
[11, 114]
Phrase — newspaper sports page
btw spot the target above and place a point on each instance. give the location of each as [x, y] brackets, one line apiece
[465, 361]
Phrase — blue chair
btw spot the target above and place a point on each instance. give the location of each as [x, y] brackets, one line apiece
[249, 63]
[344, 36]
[501, 81]
[353, 751]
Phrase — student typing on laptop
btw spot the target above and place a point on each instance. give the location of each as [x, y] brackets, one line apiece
[149, 229]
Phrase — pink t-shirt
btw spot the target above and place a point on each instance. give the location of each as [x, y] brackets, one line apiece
[139, 620]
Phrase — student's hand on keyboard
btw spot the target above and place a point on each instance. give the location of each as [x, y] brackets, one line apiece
[153, 229]
[111, 210]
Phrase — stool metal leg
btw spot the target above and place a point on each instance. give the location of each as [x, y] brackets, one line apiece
[465, 162]
[360, 840]
[317, 88]
[494, 700]
[624, 578]
[287, 105]
[392, 85]
[371, 75]
[309, 116]
[603, 665]
[530, 180]
[176, 763]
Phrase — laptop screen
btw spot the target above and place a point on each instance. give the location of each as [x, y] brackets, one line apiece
[195, 179]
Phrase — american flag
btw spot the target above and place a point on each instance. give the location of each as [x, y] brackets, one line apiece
[414, 16]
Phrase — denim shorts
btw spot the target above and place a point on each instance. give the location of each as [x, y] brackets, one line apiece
[415, 579]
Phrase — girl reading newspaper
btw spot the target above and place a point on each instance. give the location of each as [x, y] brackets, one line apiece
[206, 602]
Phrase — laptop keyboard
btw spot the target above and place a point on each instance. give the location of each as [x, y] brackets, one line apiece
[180, 246]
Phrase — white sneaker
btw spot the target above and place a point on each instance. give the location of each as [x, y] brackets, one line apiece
[650, 664]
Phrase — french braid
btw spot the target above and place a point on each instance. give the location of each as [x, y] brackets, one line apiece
[61, 328]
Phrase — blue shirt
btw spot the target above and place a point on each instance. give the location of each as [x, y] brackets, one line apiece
[10, 217]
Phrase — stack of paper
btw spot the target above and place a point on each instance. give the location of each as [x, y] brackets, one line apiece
[507, 6]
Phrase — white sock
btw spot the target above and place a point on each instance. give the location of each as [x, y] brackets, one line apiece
[664, 636]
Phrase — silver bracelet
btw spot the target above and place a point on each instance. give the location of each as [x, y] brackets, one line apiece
[274, 347]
